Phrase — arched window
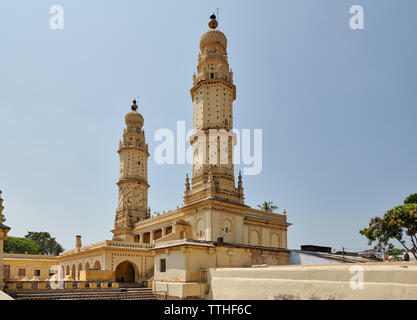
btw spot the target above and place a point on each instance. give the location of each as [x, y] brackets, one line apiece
[254, 238]
[97, 265]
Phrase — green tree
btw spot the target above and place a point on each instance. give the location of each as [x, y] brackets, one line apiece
[395, 252]
[47, 244]
[268, 206]
[399, 223]
[412, 198]
[20, 245]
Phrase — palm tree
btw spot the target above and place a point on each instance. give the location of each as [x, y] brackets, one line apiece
[268, 206]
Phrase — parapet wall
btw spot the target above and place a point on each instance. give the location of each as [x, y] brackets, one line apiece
[318, 282]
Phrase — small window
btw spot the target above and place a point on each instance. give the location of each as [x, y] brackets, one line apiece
[37, 273]
[163, 265]
[22, 272]
[212, 75]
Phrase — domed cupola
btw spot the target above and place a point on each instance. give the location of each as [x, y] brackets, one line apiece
[134, 118]
[213, 37]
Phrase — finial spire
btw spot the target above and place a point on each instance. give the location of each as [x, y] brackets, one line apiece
[134, 105]
[213, 22]
[1, 209]
[187, 184]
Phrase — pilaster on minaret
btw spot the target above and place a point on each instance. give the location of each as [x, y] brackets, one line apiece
[213, 93]
[133, 176]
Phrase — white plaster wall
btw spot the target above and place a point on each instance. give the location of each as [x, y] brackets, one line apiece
[299, 258]
[381, 281]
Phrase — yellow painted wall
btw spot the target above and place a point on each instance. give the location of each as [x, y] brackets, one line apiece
[29, 262]
[86, 275]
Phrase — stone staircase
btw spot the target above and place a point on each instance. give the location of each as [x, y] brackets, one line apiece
[119, 294]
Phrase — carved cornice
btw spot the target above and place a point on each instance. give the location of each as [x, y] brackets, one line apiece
[213, 83]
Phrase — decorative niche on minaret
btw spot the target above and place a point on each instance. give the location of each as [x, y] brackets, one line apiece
[133, 176]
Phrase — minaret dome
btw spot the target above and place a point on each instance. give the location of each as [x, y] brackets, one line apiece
[134, 118]
[213, 37]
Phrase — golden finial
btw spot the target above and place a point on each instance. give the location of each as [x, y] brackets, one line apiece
[134, 105]
[213, 22]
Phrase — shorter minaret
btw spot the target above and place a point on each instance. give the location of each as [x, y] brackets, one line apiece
[240, 186]
[3, 235]
[187, 185]
[133, 177]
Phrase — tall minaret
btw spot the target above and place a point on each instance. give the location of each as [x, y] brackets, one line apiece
[133, 177]
[213, 93]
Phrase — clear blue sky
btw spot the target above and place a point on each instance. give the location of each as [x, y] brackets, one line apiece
[337, 108]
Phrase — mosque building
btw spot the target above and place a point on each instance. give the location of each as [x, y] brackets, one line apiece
[214, 220]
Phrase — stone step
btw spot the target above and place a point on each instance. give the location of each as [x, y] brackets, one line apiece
[127, 294]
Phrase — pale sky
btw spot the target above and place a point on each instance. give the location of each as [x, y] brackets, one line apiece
[337, 108]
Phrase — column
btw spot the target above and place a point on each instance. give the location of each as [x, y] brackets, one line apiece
[1, 260]
[164, 232]
[141, 238]
[209, 236]
[151, 238]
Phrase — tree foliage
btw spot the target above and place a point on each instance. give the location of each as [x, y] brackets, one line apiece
[268, 206]
[399, 223]
[412, 198]
[47, 244]
[20, 245]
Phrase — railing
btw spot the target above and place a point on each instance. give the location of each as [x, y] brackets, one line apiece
[13, 285]
[108, 243]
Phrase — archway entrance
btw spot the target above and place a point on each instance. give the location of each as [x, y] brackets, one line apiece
[125, 272]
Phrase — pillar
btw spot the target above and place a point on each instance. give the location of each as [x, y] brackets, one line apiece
[164, 232]
[1, 261]
[151, 238]
[141, 238]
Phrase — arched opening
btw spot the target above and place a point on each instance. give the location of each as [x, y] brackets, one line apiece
[254, 238]
[80, 267]
[97, 265]
[200, 229]
[73, 272]
[274, 241]
[227, 230]
[158, 234]
[146, 237]
[67, 273]
[87, 266]
[125, 272]
[256, 258]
